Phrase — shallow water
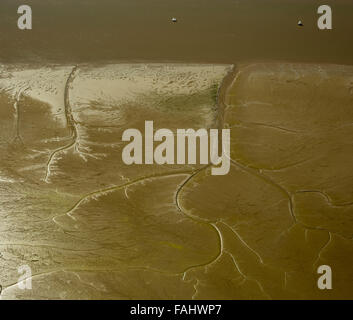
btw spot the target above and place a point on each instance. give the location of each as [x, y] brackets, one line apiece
[222, 31]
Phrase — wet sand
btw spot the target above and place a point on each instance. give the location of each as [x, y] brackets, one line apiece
[65, 188]
[91, 227]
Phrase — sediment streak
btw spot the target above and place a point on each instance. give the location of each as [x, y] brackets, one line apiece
[70, 122]
[17, 114]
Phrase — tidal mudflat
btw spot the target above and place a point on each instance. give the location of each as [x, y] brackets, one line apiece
[71, 208]
[91, 227]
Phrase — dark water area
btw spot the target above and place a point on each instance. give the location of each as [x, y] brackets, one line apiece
[217, 31]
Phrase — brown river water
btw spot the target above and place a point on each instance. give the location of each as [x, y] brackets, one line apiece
[222, 31]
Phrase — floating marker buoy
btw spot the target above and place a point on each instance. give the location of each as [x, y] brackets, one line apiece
[300, 23]
[174, 19]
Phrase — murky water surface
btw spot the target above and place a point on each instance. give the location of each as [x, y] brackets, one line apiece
[222, 31]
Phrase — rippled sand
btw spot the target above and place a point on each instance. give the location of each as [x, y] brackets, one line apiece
[91, 227]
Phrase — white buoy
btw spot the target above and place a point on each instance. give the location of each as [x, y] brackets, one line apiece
[174, 19]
